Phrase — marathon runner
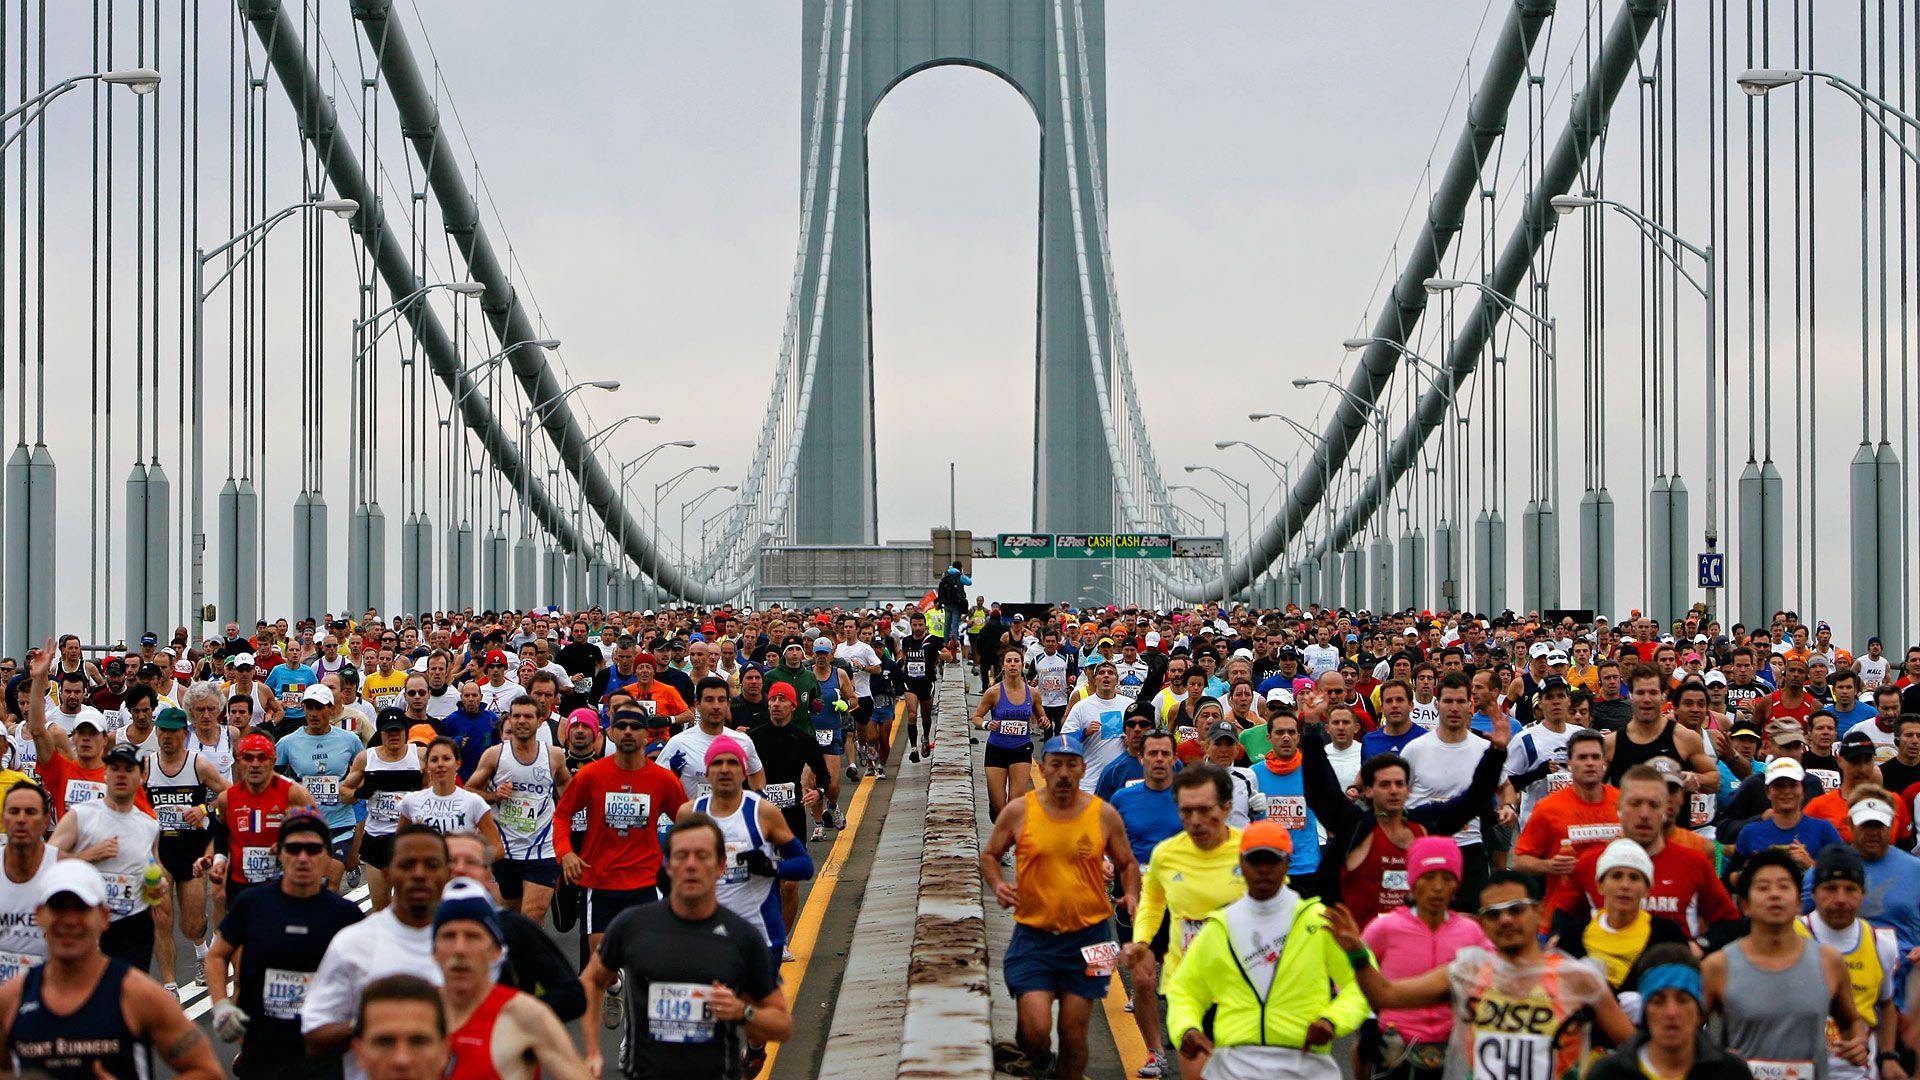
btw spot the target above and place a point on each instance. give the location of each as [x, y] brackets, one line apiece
[26, 860]
[444, 804]
[83, 1015]
[279, 936]
[497, 1032]
[523, 778]
[119, 838]
[703, 981]
[253, 810]
[180, 785]
[1006, 713]
[1095, 723]
[319, 756]
[863, 661]
[686, 752]
[795, 766]
[380, 776]
[919, 669]
[1063, 952]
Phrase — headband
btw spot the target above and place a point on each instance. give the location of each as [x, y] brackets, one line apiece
[1671, 977]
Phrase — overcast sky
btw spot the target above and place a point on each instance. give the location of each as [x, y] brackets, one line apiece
[1264, 158]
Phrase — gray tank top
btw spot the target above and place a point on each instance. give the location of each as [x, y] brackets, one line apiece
[1777, 1020]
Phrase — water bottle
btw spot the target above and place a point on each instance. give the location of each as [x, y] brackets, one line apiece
[153, 883]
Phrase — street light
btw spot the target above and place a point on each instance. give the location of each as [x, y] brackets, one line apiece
[611, 428]
[688, 507]
[1567, 204]
[1306, 432]
[667, 485]
[1756, 82]
[141, 81]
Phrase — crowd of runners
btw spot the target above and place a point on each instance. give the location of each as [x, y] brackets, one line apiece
[1496, 847]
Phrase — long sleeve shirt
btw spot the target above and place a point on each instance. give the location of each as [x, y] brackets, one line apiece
[624, 811]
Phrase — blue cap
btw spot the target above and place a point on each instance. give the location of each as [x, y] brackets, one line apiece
[656, 746]
[696, 637]
[465, 899]
[1063, 744]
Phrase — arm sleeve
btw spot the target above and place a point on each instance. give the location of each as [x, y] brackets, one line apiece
[332, 996]
[1153, 906]
[1349, 1009]
[541, 970]
[1325, 797]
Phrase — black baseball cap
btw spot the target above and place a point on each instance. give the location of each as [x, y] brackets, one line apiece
[1857, 745]
[124, 754]
[1838, 862]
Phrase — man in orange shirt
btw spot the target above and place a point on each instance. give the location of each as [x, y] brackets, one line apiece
[1857, 770]
[1567, 822]
[662, 702]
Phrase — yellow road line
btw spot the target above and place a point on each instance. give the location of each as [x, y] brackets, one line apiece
[806, 929]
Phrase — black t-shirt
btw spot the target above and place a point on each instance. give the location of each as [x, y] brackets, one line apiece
[680, 681]
[1743, 694]
[667, 962]
[1897, 777]
[748, 714]
[1910, 699]
[784, 750]
[919, 660]
[280, 939]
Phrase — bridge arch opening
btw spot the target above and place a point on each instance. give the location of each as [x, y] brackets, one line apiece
[954, 182]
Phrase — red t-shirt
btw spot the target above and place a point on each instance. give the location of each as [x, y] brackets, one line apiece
[1684, 890]
[253, 828]
[68, 783]
[623, 809]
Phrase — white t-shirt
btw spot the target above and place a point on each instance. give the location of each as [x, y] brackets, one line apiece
[1872, 672]
[88, 713]
[1319, 658]
[1536, 745]
[686, 756]
[500, 698]
[376, 946]
[457, 812]
[1096, 721]
[1346, 763]
[1050, 675]
[1442, 770]
[860, 656]
[1132, 677]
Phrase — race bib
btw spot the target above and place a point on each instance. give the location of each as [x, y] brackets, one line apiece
[579, 823]
[780, 795]
[123, 893]
[1701, 807]
[1188, 733]
[678, 1013]
[384, 807]
[81, 791]
[284, 992]
[1394, 880]
[1100, 958]
[258, 864]
[736, 873]
[14, 963]
[290, 699]
[324, 789]
[1558, 780]
[172, 817]
[1498, 1053]
[647, 706]
[1013, 727]
[627, 809]
[1053, 682]
[518, 812]
[1780, 1070]
[826, 736]
[916, 669]
[1288, 810]
[1190, 929]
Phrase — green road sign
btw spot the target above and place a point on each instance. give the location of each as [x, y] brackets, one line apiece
[1026, 545]
[1142, 546]
[1083, 546]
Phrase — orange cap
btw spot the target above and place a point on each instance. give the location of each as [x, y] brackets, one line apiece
[422, 734]
[1266, 836]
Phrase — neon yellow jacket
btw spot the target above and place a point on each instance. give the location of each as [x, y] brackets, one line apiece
[1211, 976]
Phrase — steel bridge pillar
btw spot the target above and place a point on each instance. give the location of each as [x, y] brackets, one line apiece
[553, 568]
[1877, 526]
[366, 558]
[30, 553]
[1380, 554]
[416, 564]
[1446, 563]
[460, 567]
[834, 499]
[238, 592]
[1539, 557]
[1773, 544]
[526, 573]
[309, 554]
[1413, 570]
[1749, 544]
[494, 567]
[1490, 561]
[1355, 573]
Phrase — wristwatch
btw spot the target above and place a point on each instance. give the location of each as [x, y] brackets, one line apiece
[1885, 1056]
[746, 1014]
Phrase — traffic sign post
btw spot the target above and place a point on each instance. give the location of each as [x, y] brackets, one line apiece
[1083, 546]
[1713, 570]
[1026, 545]
[1142, 546]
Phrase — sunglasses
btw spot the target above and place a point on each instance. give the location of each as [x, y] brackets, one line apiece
[256, 757]
[312, 850]
[1507, 907]
[416, 693]
[1138, 724]
[626, 725]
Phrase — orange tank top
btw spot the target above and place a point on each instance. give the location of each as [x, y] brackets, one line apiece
[1063, 887]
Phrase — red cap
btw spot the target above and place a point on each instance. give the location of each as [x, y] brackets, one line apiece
[645, 658]
[784, 690]
[256, 743]
[495, 656]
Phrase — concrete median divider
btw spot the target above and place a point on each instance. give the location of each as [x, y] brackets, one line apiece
[949, 1029]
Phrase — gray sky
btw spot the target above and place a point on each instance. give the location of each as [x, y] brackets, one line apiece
[1264, 158]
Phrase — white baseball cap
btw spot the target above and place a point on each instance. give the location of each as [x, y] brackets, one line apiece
[1871, 811]
[77, 877]
[1784, 768]
[1538, 650]
[1624, 853]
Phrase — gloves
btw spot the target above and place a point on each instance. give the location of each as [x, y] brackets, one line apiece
[1256, 805]
[228, 1021]
[758, 863]
[840, 705]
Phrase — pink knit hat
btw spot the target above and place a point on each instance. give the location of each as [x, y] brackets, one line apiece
[1430, 853]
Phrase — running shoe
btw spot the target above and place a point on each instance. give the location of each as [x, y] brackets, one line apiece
[839, 818]
[880, 772]
[1155, 1067]
[914, 754]
[612, 1007]
[853, 771]
[786, 955]
[929, 748]
[756, 1060]
[819, 833]
[172, 988]
[200, 970]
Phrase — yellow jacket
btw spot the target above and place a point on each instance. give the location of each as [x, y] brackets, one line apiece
[1212, 976]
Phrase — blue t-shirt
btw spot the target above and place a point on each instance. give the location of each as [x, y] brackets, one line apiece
[1150, 817]
[1379, 742]
[474, 732]
[1115, 776]
[1845, 721]
[1483, 724]
[320, 762]
[1813, 833]
[1287, 803]
[288, 684]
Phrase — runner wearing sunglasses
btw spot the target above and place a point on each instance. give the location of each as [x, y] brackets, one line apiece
[254, 808]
